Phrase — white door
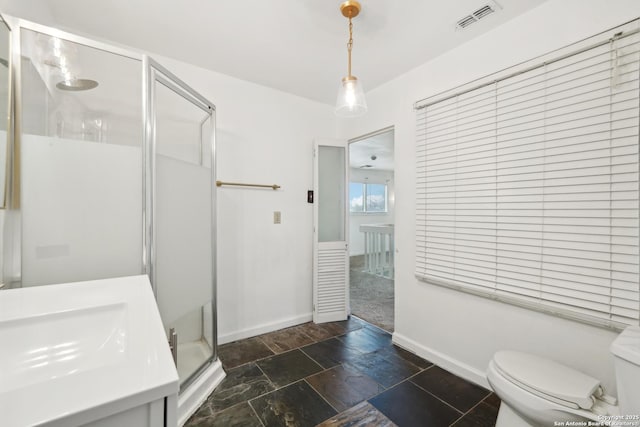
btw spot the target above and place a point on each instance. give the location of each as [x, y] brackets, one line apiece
[330, 231]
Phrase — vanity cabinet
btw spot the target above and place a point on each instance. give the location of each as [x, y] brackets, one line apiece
[151, 414]
[85, 354]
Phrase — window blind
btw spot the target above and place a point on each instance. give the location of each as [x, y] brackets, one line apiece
[527, 188]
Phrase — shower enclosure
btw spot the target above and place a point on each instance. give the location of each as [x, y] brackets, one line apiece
[110, 171]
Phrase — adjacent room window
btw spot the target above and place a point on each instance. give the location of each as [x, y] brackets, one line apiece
[367, 198]
[527, 187]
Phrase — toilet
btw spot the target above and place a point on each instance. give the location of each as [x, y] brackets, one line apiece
[536, 391]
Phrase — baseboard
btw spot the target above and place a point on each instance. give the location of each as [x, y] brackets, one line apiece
[452, 365]
[264, 328]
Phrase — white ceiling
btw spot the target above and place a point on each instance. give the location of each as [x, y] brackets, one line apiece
[379, 146]
[297, 46]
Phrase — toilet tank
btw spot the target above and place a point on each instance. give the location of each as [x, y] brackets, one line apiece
[626, 355]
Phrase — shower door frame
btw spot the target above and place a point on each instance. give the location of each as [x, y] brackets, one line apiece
[150, 70]
[154, 72]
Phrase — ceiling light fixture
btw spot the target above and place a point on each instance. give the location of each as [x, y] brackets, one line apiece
[351, 101]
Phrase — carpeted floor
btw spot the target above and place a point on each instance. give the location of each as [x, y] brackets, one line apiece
[371, 296]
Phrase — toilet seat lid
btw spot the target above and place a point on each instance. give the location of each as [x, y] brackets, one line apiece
[548, 379]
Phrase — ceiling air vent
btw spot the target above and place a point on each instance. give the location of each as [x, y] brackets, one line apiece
[483, 11]
[466, 21]
[477, 15]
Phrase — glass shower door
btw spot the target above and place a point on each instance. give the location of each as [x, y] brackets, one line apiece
[183, 247]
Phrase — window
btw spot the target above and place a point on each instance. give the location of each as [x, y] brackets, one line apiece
[367, 198]
[356, 197]
[527, 187]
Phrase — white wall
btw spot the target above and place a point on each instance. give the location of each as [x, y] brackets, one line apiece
[32, 10]
[356, 237]
[264, 136]
[460, 331]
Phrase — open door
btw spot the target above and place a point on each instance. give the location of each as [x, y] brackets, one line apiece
[330, 236]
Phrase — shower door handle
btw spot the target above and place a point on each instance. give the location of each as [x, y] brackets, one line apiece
[173, 345]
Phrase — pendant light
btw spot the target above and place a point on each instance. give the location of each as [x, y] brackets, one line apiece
[351, 101]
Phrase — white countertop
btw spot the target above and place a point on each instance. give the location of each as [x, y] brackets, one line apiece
[74, 353]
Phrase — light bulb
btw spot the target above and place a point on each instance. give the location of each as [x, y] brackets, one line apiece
[349, 93]
[351, 101]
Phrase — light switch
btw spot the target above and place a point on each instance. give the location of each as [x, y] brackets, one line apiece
[277, 217]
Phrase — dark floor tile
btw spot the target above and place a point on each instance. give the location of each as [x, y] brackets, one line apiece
[295, 405]
[237, 416]
[394, 352]
[459, 393]
[343, 387]
[367, 340]
[362, 415]
[344, 326]
[408, 405]
[331, 352]
[483, 415]
[383, 368]
[376, 328]
[493, 400]
[318, 331]
[286, 339]
[203, 413]
[240, 384]
[286, 368]
[240, 352]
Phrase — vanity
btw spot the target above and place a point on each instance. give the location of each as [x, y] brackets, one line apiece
[86, 353]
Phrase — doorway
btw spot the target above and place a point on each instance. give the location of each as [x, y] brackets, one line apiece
[371, 227]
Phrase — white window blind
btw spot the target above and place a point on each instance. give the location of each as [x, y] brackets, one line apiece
[527, 188]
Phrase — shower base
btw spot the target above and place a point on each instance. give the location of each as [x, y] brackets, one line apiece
[191, 355]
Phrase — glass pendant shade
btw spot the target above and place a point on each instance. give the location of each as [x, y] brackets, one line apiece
[351, 101]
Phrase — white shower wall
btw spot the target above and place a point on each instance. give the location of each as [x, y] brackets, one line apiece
[81, 210]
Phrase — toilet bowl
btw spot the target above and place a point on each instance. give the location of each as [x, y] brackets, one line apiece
[536, 391]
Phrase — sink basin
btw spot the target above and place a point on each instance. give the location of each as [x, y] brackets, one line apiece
[49, 346]
[74, 353]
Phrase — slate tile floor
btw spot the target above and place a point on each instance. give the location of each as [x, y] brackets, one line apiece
[337, 375]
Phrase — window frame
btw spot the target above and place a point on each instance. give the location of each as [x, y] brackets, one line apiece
[365, 194]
